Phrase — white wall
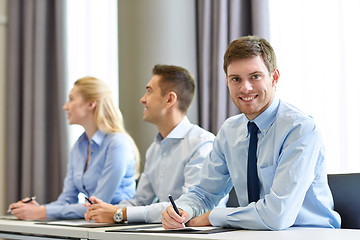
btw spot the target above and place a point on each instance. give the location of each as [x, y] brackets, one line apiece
[3, 19]
[152, 32]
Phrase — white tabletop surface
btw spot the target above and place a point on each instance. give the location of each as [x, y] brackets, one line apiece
[289, 234]
[31, 227]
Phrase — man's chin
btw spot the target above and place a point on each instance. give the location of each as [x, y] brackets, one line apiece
[146, 119]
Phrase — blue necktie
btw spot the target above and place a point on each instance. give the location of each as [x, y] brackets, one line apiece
[252, 176]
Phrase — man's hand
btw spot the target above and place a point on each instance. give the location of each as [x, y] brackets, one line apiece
[100, 211]
[28, 211]
[171, 220]
[200, 221]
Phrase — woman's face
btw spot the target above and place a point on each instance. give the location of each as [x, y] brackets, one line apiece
[78, 110]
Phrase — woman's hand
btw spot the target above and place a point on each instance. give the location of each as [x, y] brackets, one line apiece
[29, 211]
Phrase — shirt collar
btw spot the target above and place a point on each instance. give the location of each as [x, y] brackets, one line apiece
[178, 132]
[98, 137]
[265, 119]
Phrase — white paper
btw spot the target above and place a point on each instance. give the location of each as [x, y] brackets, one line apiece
[73, 222]
[178, 229]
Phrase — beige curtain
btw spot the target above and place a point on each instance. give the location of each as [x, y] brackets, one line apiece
[36, 150]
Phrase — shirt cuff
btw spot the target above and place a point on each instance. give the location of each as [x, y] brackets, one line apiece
[136, 214]
[53, 211]
[218, 217]
[67, 211]
[187, 209]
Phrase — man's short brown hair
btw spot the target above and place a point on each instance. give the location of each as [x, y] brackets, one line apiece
[250, 46]
[178, 80]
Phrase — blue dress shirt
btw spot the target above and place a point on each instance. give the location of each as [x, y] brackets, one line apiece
[109, 175]
[172, 165]
[291, 170]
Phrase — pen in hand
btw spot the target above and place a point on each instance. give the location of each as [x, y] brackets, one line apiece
[175, 208]
[27, 201]
[87, 199]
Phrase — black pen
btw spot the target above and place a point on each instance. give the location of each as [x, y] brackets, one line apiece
[27, 201]
[89, 200]
[175, 208]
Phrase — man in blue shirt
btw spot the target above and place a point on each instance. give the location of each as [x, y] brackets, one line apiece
[292, 180]
[174, 159]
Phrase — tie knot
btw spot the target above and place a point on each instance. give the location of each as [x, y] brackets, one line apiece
[252, 127]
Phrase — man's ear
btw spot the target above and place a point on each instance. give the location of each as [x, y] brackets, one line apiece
[275, 77]
[172, 99]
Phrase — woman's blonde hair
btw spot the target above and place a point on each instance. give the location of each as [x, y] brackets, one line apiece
[107, 116]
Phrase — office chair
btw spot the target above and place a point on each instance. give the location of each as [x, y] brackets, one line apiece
[232, 201]
[345, 189]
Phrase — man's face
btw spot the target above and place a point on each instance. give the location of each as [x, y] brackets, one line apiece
[251, 86]
[154, 102]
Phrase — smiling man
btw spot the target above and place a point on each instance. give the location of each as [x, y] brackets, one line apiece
[272, 154]
[174, 159]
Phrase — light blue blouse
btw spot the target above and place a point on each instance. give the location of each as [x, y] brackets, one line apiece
[109, 175]
[291, 170]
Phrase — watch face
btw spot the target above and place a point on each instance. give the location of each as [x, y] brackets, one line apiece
[118, 216]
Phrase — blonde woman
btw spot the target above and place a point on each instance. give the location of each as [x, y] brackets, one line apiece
[103, 161]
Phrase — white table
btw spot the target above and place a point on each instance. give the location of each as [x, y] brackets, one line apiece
[29, 228]
[289, 234]
[15, 229]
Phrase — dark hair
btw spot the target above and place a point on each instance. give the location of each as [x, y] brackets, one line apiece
[250, 46]
[176, 79]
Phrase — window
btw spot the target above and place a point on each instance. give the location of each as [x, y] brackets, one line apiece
[92, 46]
[316, 43]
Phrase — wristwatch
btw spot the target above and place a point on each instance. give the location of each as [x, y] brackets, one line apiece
[119, 216]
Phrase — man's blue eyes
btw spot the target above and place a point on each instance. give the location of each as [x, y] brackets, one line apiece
[252, 77]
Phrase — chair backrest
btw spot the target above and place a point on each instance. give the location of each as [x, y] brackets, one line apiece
[345, 189]
[232, 201]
